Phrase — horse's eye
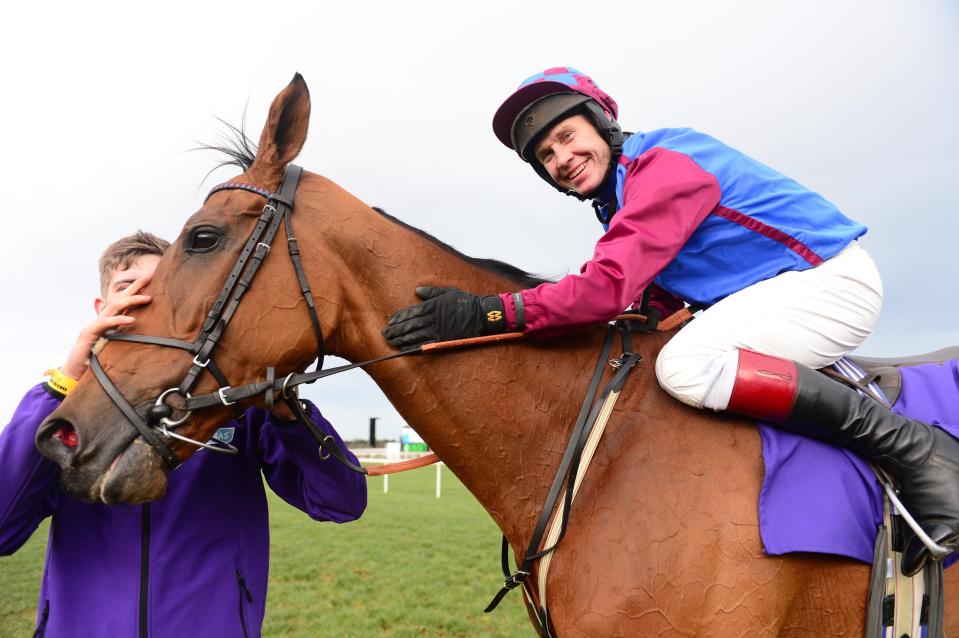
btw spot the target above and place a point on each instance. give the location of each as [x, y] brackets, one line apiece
[203, 240]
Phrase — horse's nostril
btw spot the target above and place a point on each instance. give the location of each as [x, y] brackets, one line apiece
[66, 435]
[57, 440]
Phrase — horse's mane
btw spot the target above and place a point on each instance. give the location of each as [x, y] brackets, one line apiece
[495, 266]
[240, 151]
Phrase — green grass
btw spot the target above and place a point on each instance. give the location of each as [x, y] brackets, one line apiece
[20, 585]
[414, 565]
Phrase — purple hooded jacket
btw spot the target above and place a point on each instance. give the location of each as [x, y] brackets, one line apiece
[193, 563]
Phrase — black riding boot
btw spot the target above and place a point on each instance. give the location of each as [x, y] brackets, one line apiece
[922, 459]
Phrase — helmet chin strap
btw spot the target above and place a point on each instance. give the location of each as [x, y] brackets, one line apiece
[604, 198]
[605, 210]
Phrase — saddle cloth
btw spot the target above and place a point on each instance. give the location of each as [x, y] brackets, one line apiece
[817, 497]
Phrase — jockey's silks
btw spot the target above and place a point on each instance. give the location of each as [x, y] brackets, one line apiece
[700, 219]
[765, 223]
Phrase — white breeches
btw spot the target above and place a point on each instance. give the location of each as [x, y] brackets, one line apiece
[813, 317]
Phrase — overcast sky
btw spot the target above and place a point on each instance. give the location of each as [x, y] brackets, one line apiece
[857, 100]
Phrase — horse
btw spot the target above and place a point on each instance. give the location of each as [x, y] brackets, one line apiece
[663, 537]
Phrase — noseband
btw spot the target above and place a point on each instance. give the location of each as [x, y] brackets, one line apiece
[278, 209]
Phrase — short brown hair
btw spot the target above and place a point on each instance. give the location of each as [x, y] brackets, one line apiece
[124, 251]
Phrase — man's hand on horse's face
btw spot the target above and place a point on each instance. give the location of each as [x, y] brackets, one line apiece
[122, 295]
[445, 314]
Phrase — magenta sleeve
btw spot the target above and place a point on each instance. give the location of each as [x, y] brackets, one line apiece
[666, 196]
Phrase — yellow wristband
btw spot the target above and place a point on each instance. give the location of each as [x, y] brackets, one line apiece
[59, 381]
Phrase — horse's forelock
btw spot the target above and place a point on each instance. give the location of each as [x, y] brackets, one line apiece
[235, 144]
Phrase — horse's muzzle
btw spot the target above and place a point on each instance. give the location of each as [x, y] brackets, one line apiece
[101, 470]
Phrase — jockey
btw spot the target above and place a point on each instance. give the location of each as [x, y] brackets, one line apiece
[786, 284]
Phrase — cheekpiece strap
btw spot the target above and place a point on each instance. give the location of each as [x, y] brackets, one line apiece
[243, 186]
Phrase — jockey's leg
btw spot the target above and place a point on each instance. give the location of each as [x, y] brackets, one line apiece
[813, 316]
[922, 459]
[808, 319]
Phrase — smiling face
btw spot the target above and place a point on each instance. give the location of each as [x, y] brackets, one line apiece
[574, 155]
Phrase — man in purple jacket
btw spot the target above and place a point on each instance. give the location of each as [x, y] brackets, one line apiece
[193, 563]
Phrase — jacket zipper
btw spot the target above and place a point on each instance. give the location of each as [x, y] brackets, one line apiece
[144, 566]
[42, 626]
[244, 592]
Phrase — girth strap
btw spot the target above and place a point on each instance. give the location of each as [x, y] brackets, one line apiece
[598, 420]
[568, 470]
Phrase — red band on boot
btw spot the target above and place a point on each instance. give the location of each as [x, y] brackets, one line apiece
[765, 387]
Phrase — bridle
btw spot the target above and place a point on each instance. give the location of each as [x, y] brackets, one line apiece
[158, 426]
[278, 209]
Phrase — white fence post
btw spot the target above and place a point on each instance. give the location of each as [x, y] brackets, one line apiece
[438, 475]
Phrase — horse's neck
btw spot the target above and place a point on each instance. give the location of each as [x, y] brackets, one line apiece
[498, 416]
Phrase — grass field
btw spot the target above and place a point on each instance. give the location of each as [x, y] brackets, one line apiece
[414, 565]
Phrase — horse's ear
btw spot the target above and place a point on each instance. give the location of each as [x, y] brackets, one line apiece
[285, 130]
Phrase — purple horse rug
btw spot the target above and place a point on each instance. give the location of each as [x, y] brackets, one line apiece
[820, 498]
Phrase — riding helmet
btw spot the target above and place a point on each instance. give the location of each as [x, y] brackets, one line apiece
[544, 99]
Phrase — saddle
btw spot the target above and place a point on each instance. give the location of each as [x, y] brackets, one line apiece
[885, 372]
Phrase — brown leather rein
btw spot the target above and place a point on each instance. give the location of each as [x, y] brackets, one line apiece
[674, 320]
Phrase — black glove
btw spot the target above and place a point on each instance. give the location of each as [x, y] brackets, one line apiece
[445, 314]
